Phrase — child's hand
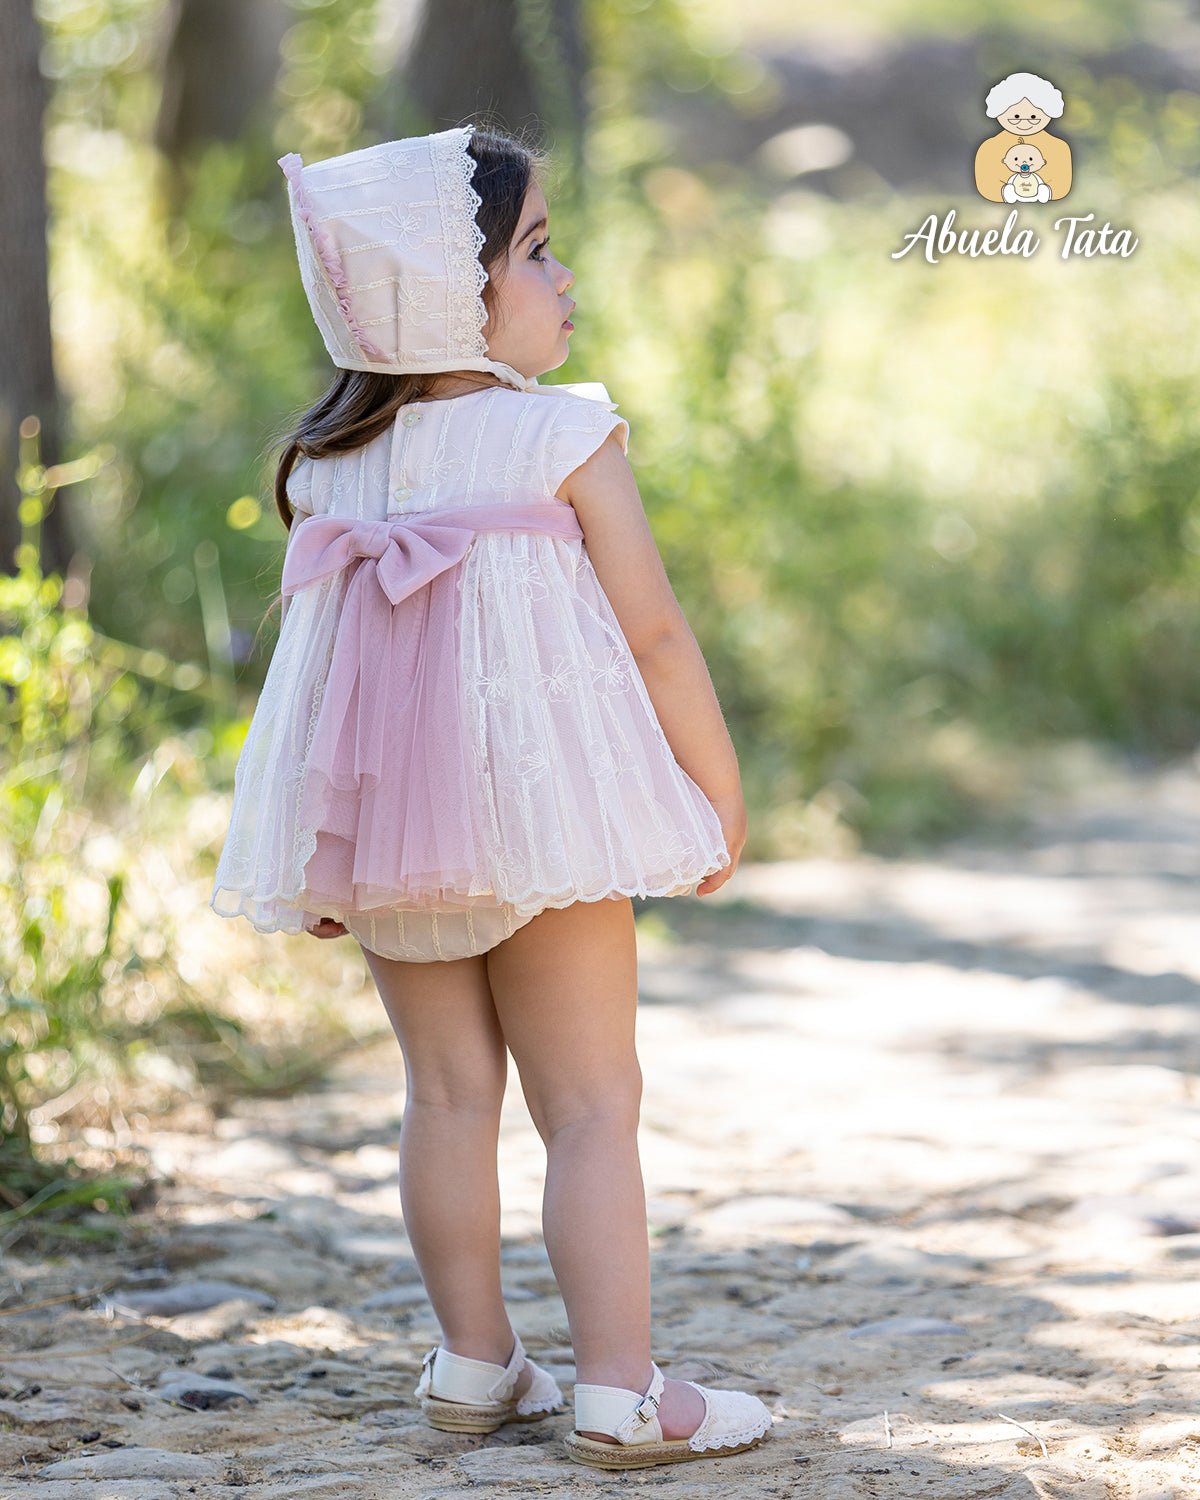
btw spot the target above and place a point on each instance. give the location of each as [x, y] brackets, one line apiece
[326, 927]
[732, 813]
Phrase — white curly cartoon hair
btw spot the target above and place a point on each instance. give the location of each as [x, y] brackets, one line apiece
[1018, 86]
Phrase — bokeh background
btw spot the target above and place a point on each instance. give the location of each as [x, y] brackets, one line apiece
[936, 527]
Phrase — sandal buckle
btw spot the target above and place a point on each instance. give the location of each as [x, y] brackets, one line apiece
[646, 1416]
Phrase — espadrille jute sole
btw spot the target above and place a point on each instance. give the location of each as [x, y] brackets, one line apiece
[642, 1455]
[455, 1416]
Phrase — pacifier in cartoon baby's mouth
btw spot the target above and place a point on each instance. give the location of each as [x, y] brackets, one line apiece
[1024, 166]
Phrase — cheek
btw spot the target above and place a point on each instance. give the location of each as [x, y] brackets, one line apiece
[533, 300]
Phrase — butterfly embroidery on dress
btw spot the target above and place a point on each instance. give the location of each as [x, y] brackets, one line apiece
[668, 844]
[613, 675]
[527, 575]
[517, 468]
[562, 680]
[533, 763]
[511, 865]
[442, 470]
[494, 687]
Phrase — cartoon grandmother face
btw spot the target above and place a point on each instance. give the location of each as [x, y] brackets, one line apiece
[1023, 118]
[1023, 103]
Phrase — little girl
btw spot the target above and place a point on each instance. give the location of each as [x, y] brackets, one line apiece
[486, 725]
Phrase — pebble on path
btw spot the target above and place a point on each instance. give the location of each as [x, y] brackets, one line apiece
[135, 1463]
[187, 1297]
[905, 1327]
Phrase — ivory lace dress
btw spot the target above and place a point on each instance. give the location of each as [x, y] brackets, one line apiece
[453, 734]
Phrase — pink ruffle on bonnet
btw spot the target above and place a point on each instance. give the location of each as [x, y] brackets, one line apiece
[389, 256]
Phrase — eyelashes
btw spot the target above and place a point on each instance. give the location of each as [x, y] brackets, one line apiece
[536, 252]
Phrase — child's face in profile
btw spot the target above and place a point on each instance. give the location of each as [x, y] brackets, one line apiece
[529, 324]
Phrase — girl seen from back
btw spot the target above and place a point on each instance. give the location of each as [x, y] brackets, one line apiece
[485, 726]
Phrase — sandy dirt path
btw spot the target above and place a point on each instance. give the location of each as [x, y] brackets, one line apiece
[920, 1141]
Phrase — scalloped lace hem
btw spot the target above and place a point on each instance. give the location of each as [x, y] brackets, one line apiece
[733, 1439]
[528, 1409]
[529, 905]
[543, 1393]
[702, 1441]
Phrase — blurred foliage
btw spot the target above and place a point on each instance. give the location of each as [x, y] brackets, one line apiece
[91, 991]
[62, 708]
[1101, 24]
[924, 519]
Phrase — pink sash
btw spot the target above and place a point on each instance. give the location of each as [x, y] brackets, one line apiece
[388, 783]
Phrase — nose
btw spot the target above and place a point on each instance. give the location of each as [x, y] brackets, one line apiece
[565, 278]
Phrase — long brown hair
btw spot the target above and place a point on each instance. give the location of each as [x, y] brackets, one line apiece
[360, 404]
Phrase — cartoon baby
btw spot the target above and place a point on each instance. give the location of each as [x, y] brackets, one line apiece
[1025, 186]
[1023, 105]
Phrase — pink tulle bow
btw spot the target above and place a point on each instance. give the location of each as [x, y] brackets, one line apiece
[411, 552]
[390, 787]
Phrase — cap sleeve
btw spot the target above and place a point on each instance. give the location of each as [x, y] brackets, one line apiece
[299, 487]
[577, 428]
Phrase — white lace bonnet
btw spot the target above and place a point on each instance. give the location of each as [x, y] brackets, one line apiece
[389, 256]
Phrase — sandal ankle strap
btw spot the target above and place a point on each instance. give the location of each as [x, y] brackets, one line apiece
[466, 1379]
[620, 1413]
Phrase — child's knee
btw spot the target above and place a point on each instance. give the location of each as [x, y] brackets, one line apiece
[609, 1106]
[475, 1090]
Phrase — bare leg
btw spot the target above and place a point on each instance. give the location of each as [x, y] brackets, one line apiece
[456, 1065]
[565, 990]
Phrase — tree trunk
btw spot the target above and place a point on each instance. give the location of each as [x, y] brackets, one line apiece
[515, 64]
[27, 384]
[218, 71]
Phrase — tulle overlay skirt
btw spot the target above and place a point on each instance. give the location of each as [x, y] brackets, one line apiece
[435, 773]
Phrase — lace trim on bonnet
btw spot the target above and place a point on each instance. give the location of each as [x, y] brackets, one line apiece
[459, 203]
[399, 217]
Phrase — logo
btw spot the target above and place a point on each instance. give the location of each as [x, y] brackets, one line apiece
[1026, 165]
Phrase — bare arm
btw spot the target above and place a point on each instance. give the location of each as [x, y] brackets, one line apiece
[622, 550]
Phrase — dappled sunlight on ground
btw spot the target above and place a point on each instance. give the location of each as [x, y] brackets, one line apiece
[920, 1142]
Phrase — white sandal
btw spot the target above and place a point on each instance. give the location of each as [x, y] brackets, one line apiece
[471, 1395]
[732, 1422]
